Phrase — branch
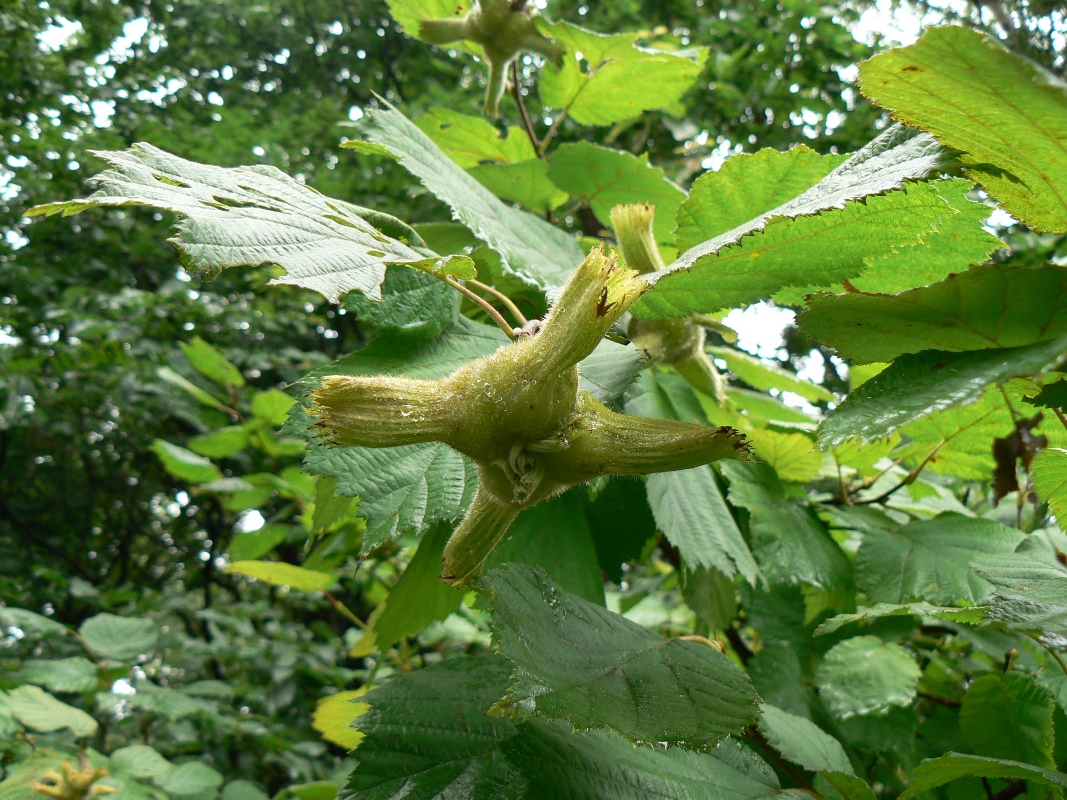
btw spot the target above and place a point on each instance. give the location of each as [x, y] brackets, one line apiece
[516, 92]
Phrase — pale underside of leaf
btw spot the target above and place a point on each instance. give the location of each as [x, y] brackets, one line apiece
[249, 216]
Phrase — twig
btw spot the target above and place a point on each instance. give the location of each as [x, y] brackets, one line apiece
[908, 479]
[551, 132]
[503, 298]
[1013, 789]
[485, 304]
[516, 92]
[345, 611]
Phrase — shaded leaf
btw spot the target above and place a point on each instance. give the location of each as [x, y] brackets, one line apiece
[970, 616]
[420, 596]
[985, 307]
[802, 741]
[934, 772]
[39, 711]
[526, 183]
[578, 661]
[932, 560]
[140, 761]
[865, 675]
[427, 735]
[120, 638]
[1008, 716]
[690, 510]
[919, 384]
[788, 541]
[75, 674]
[600, 765]
[189, 779]
[185, 464]
[760, 375]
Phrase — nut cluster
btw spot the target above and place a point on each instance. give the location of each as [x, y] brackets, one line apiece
[521, 417]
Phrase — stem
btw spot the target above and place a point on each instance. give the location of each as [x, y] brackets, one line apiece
[516, 92]
[908, 479]
[551, 132]
[345, 611]
[485, 304]
[503, 298]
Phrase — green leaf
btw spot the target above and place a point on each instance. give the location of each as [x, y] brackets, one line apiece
[732, 267]
[614, 79]
[223, 443]
[808, 252]
[792, 456]
[119, 638]
[188, 779]
[75, 674]
[257, 543]
[167, 375]
[244, 790]
[420, 596]
[969, 616]
[140, 761]
[526, 183]
[758, 374]
[620, 522]
[408, 13]
[610, 369]
[273, 406]
[212, 364]
[248, 216]
[934, 772]
[413, 304]
[788, 541]
[414, 358]
[555, 536]
[949, 249]
[931, 560]
[578, 661]
[428, 736]
[28, 622]
[400, 489]
[531, 248]
[278, 573]
[865, 675]
[802, 741]
[690, 510]
[1007, 115]
[607, 178]
[39, 711]
[985, 307]
[745, 187]
[601, 765]
[1008, 716]
[184, 464]
[334, 717]
[919, 384]
[471, 141]
[1048, 472]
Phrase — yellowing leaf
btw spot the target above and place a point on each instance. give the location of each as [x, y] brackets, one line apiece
[334, 716]
[278, 573]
